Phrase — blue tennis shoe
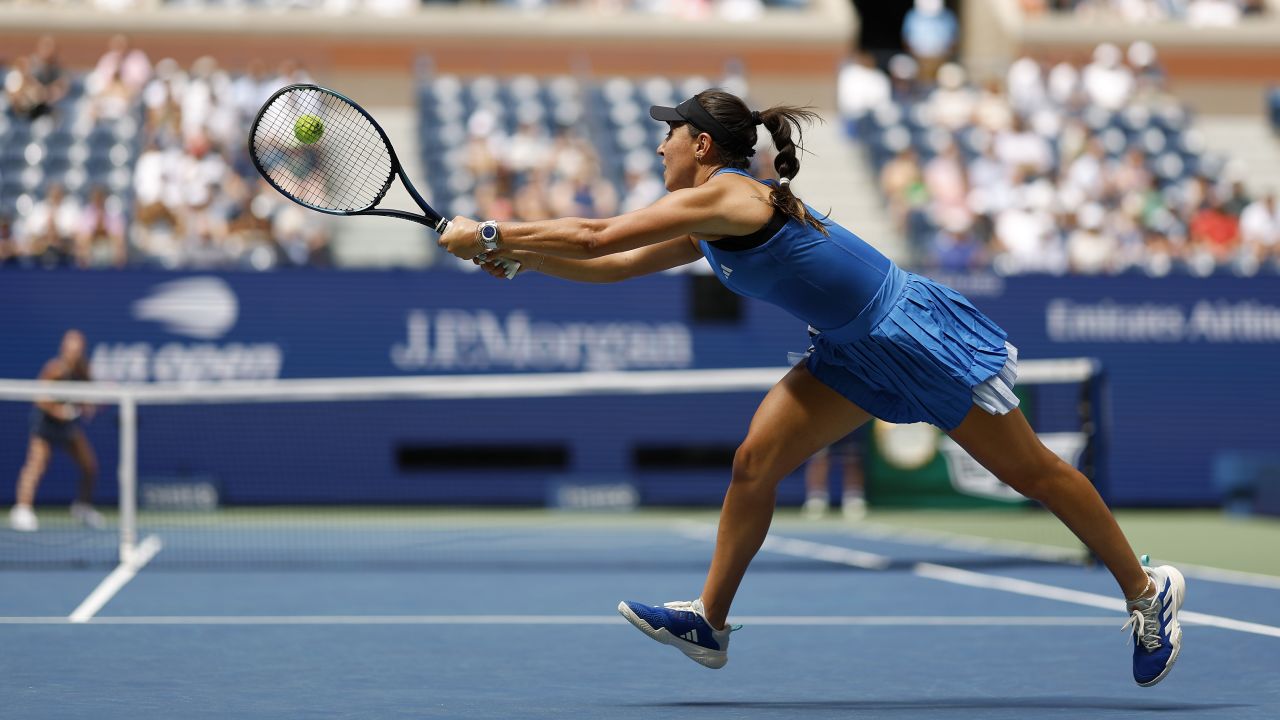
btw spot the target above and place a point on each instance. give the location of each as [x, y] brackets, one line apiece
[682, 625]
[1157, 636]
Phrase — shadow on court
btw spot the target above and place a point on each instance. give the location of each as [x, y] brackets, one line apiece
[943, 704]
[568, 566]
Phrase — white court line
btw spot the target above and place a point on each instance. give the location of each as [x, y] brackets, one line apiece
[800, 548]
[1035, 589]
[1020, 548]
[949, 574]
[751, 620]
[118, 578]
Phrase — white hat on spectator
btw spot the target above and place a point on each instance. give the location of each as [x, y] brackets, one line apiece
[1141, 54]
[951, 76]
[482, 123]
[929, 7]
[1107, 55]
[1090, 216]
[903, 67]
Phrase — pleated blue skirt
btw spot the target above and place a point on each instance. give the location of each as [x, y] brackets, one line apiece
[915, 354]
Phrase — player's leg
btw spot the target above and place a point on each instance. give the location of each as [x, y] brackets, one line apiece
[1007, 446]
[82, 453]
[22, 516]
[853, 501]
[799, 416]
[38, 452]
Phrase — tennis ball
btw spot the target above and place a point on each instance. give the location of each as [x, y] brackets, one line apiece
[308, 129]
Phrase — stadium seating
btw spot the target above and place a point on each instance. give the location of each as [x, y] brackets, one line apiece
[66, 146]
[1148, 135]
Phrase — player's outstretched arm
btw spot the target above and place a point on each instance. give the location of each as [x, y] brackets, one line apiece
[609, 268]
[711, 209]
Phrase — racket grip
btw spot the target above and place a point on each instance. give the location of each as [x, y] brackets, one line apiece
[510, 266]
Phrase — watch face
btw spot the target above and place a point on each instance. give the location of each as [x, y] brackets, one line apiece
[489, 232]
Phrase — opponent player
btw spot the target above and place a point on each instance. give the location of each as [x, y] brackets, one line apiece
[888, 343]
[847, 454]
[57, 424]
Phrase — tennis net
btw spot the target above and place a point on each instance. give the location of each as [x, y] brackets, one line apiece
[393, 471]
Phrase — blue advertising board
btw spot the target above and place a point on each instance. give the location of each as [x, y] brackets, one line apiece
[1190, 364]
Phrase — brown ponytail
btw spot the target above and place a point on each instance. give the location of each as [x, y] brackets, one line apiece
[781, 121]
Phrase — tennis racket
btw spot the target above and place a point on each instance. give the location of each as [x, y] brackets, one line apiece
[323, 151]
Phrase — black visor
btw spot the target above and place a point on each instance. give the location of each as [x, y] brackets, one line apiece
[692, 112]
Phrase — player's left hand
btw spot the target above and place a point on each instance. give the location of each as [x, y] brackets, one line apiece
[490, 266]
[461, 239]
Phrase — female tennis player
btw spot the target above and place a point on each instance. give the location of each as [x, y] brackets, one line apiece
[57, 424]
[885, 343]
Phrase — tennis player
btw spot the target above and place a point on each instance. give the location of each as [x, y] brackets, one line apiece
[887, 343]
[57, 425]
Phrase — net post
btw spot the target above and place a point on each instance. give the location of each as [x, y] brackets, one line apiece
[128, 476]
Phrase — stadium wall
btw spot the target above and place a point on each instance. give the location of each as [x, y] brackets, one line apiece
[1191, 365]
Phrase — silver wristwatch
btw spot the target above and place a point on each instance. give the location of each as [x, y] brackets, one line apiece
[488, 235]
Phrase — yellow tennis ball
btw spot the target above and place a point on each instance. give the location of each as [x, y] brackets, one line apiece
[308, 129]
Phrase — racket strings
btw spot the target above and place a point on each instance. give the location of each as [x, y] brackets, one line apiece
[347, 169]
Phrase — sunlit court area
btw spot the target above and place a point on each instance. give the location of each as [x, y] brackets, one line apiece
[434, 358]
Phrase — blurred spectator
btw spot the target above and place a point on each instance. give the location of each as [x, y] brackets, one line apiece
[1260, 227]
[1107, 82]
[8, 243]
[1027, 237]
[583, 192]
[129, 66]
[641, 186]
[1022, 149]
[1273, 107]
[50, 228]
[957, 248]
[252, 90]
[47, 70]
[1195, 12]
[99, 240]
[1091, 247]
[948, 188]
[929, 31]
[902, 183]
[953, 103]
[861, 87]
[1216, 13]
[1215, 231]
[27, 98]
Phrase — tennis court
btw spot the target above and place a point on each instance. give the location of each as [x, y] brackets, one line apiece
[511, 615]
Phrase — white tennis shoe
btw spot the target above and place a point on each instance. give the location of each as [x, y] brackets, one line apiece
[84, 514]
[23, 519]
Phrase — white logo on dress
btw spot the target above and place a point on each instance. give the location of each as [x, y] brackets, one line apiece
[726, 269]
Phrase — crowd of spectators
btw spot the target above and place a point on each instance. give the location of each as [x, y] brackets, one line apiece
[683, 9]
[1056, 168]
[182, 194]
[1199, 13]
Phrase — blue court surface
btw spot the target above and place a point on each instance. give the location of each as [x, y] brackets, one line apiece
[518, 620]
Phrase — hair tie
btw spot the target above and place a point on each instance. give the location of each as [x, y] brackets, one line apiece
[756, 118]
[784, 182]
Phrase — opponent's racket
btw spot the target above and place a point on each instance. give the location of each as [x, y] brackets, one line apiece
[324, 152]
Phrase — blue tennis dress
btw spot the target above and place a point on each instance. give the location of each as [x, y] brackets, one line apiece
[898, 345]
